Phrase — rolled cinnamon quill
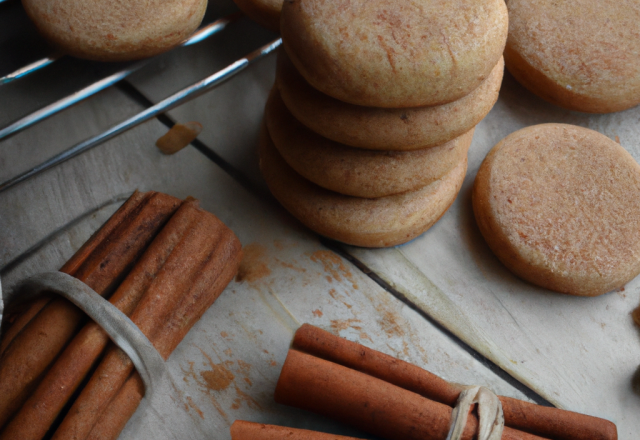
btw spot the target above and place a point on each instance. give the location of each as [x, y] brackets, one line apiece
[546, 422]
[85, 253]
[193, 276]
[367, 403]
[101, 263]
[116, 415]
[241, 430]
[58, 385]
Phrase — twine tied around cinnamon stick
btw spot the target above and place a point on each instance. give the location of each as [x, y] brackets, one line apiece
[160, 391]
[490, 415]
[122, 331]
[395, 400]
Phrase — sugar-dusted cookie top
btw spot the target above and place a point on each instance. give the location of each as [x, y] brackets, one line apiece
[106, 30]
[560, 207]
[579, 54]
[387, 53]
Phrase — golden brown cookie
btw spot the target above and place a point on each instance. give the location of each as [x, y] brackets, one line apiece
[386, 53]
[581, 54]
[105, 30]
[382, 222]
[384, 128]
[560, 206]
[355, 171]
[264, 12]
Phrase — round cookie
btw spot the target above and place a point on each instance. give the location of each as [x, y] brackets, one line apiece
[264, 12]
[104, 30]
[581, 54]
[385, 53]
[354, 171]
[382, 222]
[384, 128]
[559, 205]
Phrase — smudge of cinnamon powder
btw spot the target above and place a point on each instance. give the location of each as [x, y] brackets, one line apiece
[317, 313]
[244, 397]
[339, 324]
[390, 324]
[291, 266]
[218, 378]
[195, 407]
[253, 266]
[334, 266]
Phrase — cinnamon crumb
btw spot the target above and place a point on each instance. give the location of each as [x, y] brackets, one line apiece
[179, 137]
[636, 316]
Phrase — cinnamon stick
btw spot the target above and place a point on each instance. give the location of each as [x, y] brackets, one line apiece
[547, 422]
[72, 266]
[18, 317]
[101, 263]
[41, 409]
[241, 430]
[368, 403]
[194, 276]
[116, 415]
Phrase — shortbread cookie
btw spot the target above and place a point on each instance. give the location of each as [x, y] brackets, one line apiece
[105, 30]
[263, 12]
[386, 53]
[560, 207]
[384, 128]
[581, 54]
[382, 222]
[354, 171]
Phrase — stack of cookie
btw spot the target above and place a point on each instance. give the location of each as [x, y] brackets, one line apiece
[368, 127]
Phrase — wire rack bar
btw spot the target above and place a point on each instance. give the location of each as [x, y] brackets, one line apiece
[29, 68]
[167, 104]
[200, 35]
[56, 107]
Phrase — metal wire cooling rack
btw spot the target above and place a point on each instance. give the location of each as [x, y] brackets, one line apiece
[184, 95]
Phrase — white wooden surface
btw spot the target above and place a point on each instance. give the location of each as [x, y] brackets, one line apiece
[578, 353]
[229, 363]
[289, 278]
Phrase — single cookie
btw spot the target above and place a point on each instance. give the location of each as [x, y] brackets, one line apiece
[387, 221]
[354, 171]
[385, 53]
[264, 12]
[105, 30]
[581, 54]
[560, 206]
[384, 128]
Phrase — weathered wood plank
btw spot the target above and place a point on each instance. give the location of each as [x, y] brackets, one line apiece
[229, 363]
[578, 353]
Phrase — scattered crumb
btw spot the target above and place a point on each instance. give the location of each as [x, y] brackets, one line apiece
[179, 137]
[636, 316]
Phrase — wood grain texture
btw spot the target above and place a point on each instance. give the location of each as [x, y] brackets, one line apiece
[579, 354]
[227, 366]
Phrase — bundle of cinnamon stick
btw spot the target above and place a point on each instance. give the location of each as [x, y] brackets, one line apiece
[393, 399]
[162, 262]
